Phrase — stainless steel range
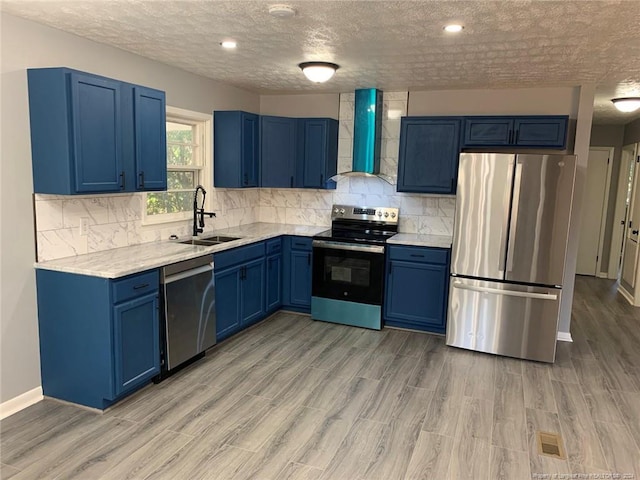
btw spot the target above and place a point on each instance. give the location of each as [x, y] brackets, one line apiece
[348, 265]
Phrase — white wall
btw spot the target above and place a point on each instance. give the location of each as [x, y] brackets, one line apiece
[308, 105]
[26, 44]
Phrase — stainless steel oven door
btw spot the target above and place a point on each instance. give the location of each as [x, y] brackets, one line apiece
[348, 271]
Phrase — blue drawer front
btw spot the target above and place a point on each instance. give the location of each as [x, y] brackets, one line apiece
[419, 254]
[301, 243]
[238, 255]
[274, 246]
[135, 286]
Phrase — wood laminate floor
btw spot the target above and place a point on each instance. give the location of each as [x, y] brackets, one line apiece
[297, 399]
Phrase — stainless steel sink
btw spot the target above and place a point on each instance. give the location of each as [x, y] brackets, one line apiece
[199, 241]
[219, 239]
[207, 241]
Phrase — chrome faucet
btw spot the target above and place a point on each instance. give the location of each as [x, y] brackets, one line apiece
[198, 223]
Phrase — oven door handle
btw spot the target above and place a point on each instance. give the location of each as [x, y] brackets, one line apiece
[348, 246]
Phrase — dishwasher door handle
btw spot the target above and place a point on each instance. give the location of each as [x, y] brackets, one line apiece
[189, 273]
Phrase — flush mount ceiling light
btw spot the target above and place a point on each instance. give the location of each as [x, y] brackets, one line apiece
[228, 44]
[453, 28]
[318, 72]
[281, 11]
[627, 104]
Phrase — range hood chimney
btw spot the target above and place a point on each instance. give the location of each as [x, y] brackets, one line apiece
[367, 131]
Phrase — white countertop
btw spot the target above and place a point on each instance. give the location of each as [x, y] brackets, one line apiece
[421, 240]
[120, 262]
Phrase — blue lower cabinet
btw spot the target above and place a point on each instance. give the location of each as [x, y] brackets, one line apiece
[240, 288]
[227, 302]
[136, 347]
[252, 289]
[274, 283]
[99, 338]
[297, 273]
[417, 288]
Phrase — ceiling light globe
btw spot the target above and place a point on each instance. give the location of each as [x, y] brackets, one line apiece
[453, 28]
[229, 44]
[318, 72]
[627, 104]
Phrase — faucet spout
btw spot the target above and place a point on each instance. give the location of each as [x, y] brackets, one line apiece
[199, 213]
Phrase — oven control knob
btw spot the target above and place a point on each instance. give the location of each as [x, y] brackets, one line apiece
[386, 214]
[393, 215]
[379, 213]
[342, 210]
[336, 210]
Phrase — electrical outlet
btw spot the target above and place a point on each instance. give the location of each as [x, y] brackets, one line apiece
[84, 225]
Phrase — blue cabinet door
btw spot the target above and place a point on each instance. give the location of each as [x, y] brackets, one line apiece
[300, 279]
[416, 295]
[97, 134]
[278, 144]
[319, 152]
[429, 149]
[550, 132]
[274, 283]
[488, 131]
[150, 139]
[236, 149]
[227, 302]
[252, 304]
[136, 342]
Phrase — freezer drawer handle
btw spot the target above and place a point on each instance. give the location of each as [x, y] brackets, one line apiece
[497, 291]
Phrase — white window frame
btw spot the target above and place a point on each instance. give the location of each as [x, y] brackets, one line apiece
[205, 134]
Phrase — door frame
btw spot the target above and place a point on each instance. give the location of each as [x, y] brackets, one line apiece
[618, 235]
[605, 208]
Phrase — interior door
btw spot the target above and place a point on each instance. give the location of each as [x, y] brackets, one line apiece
[630, 263]
[593, 209]
[623, 202]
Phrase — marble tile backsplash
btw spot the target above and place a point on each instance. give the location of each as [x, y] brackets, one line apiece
[116, 220]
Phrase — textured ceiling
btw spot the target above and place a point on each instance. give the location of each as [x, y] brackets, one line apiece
[393, 45]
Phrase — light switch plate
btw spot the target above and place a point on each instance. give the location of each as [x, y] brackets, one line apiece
[84, 226]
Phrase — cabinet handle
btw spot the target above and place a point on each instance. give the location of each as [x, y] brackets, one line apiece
[291, 183]
[321, 179]
[308, 259]
[517, 135]
[142, 285]
[453, 185]
[122, 180]
[634, 232]
[141, 176]
[417, 255]
[510, 135]
[246, 179]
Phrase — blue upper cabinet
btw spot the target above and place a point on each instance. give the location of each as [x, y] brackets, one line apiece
[236, 149]
[534, 131]
[150, 139]
[428, 159]
[319, 152]
[278, 150]
[87, 136]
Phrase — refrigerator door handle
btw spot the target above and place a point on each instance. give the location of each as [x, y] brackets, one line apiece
[510, 293]
[505, 226]
[515, 206]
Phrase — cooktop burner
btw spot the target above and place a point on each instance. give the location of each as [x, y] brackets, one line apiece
[372, 225]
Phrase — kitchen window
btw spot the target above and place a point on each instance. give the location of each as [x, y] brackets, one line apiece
[188, 154]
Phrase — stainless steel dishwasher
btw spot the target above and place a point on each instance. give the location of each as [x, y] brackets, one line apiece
[189, 310]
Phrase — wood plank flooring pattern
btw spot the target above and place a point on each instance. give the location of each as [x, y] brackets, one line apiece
[296, 399]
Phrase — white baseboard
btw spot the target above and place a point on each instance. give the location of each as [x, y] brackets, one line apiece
[564, 337]
[602, 275]
[20, 402]
[622, 291]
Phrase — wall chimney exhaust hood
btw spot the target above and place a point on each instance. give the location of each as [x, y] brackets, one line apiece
[367, 135]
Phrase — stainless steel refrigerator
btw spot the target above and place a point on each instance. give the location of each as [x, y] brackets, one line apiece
[508, 253]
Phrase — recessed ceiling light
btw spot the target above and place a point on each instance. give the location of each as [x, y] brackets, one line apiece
[453, 28]
[281, 11]
[229, 44]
